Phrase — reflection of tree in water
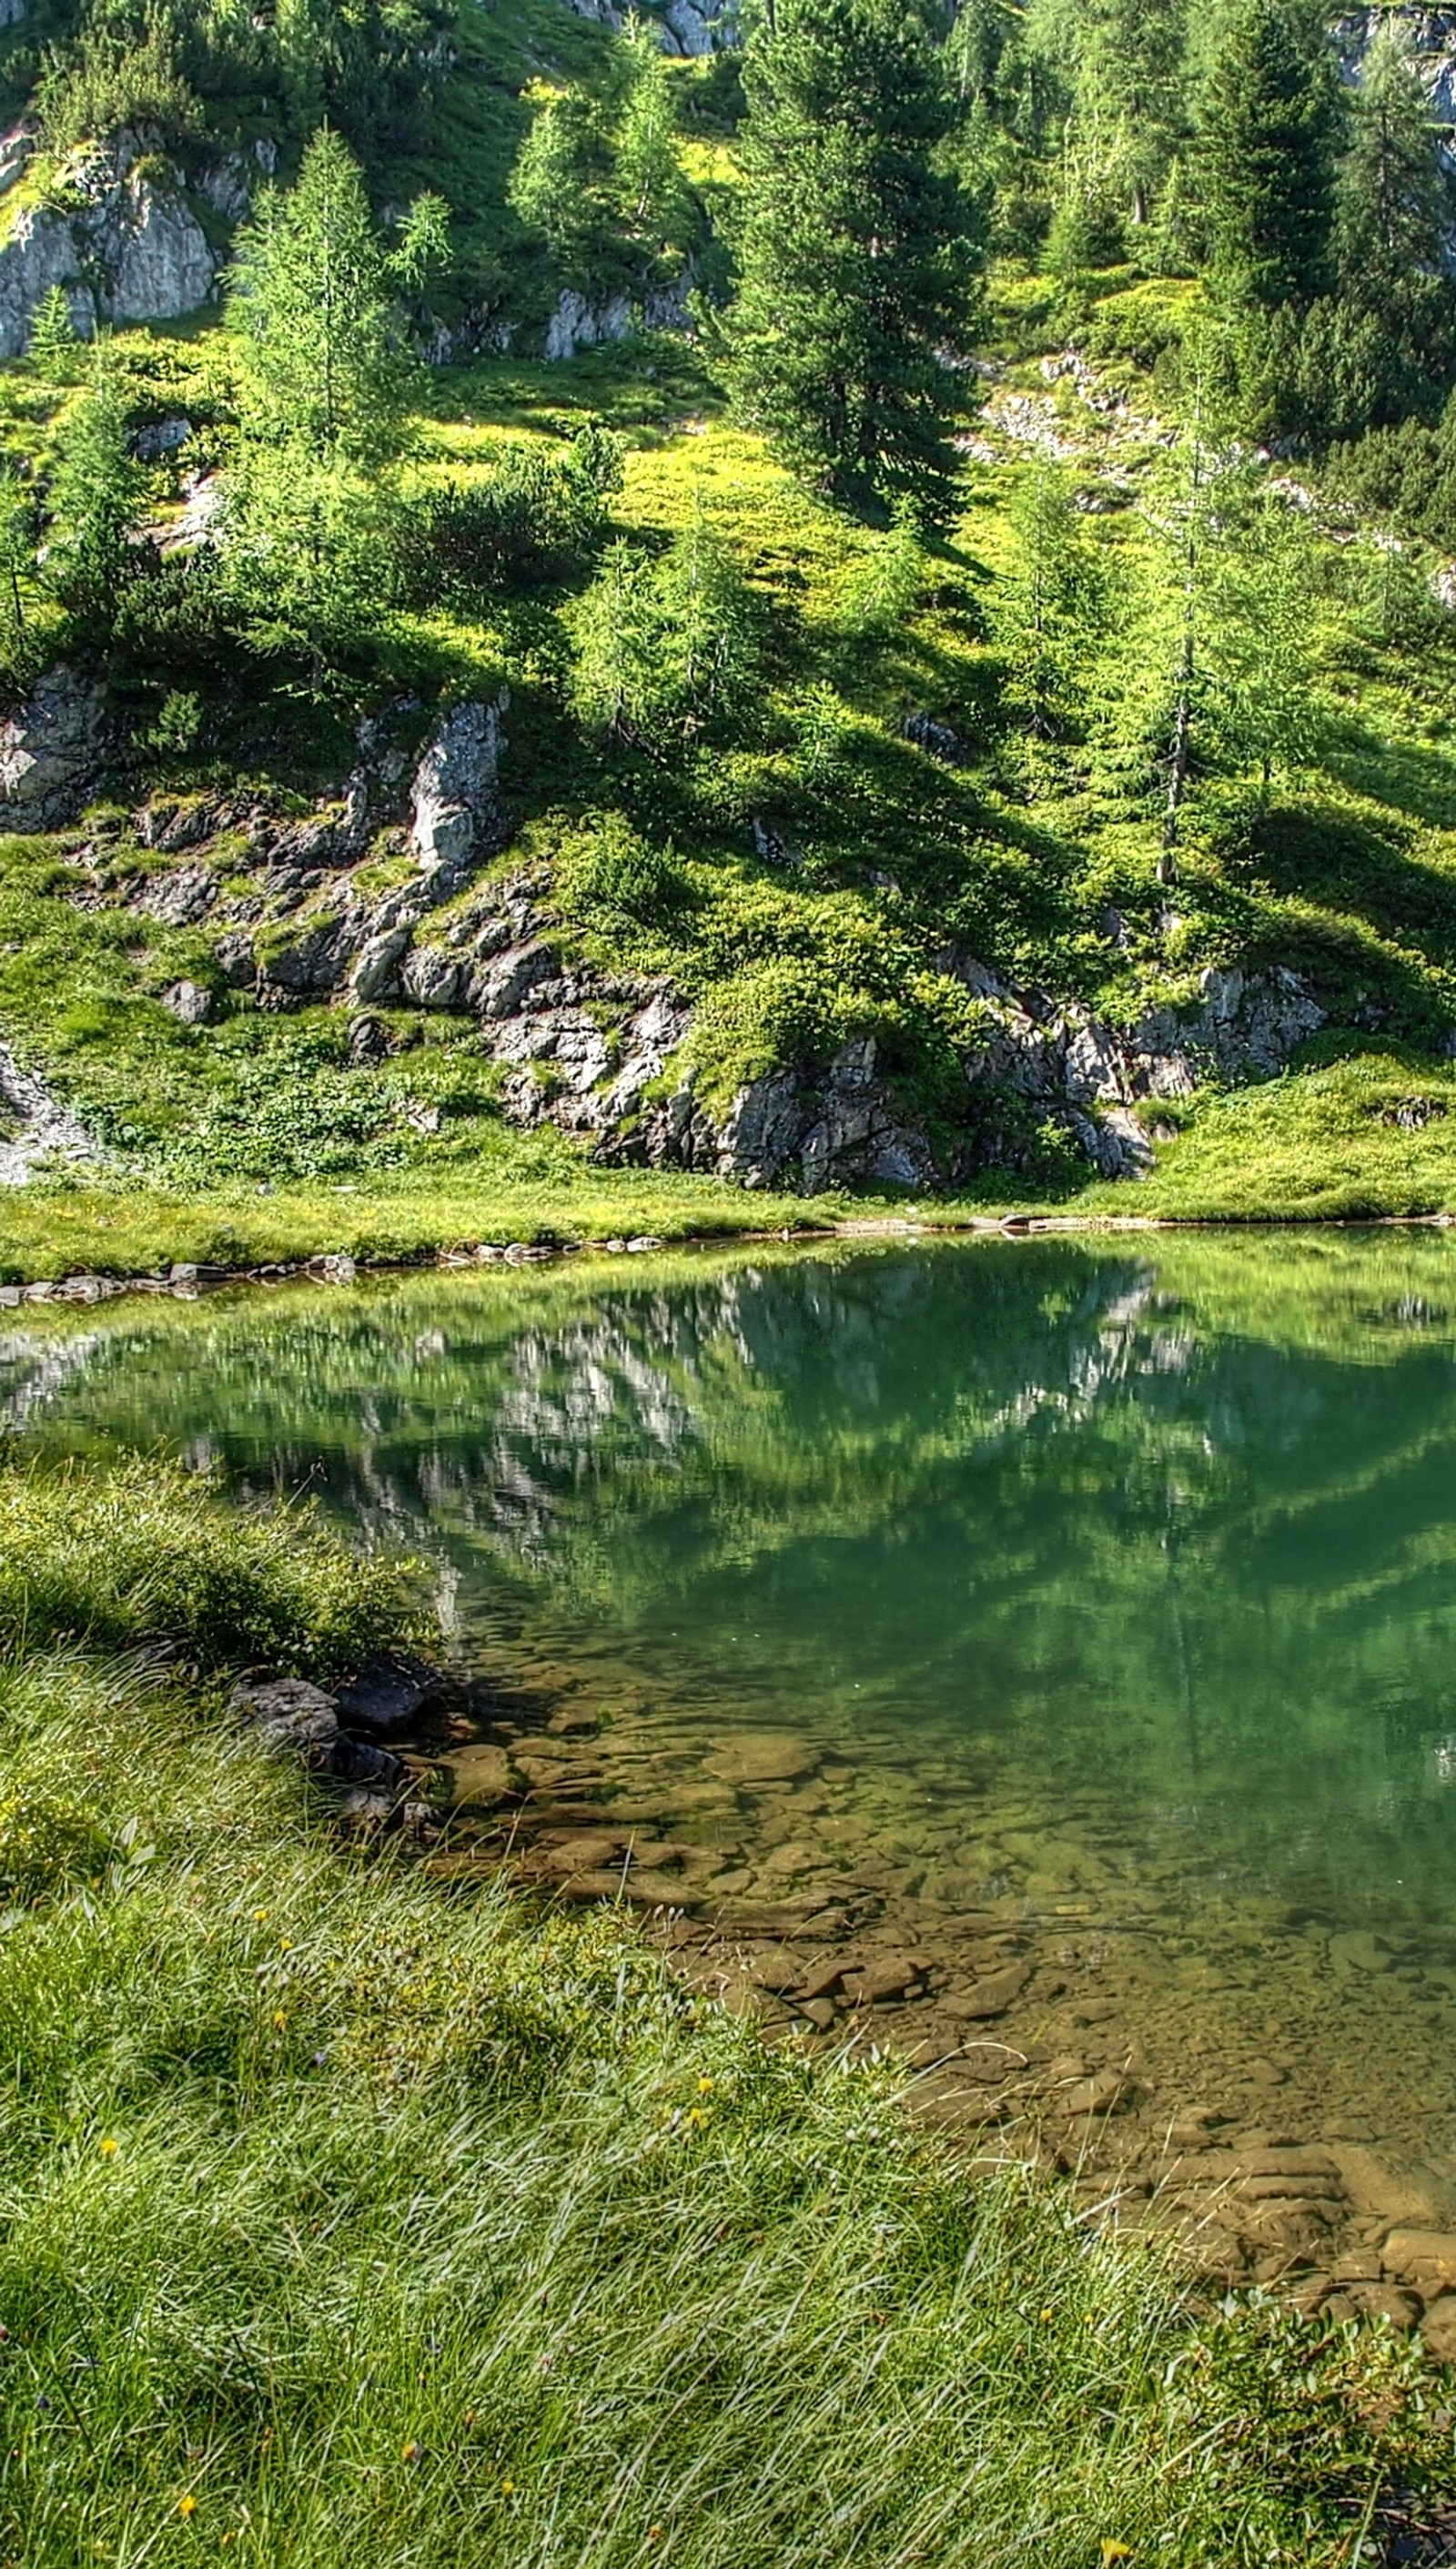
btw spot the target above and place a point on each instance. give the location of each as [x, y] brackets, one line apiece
[1176, 1524]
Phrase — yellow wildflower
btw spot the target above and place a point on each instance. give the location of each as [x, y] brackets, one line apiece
[279, 2019]
[507, 2488]
[412, 2452]
[705, 2086]
[1112, 2551]
[109, 2147]
[186, 2505]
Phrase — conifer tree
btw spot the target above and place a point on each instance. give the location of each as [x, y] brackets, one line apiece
[1130, 86]
[647, 173]
[94, 498]
[1264, 638]
[859, 251]
[1049, 613]
[1268, 161]
[1395, 202]
[55, 348]
[556, 175]
[325, 377]
[314, 306]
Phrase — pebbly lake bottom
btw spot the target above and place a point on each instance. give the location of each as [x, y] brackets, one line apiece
[1040, 1656]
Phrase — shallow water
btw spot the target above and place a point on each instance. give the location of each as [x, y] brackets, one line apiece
[1102, 1596]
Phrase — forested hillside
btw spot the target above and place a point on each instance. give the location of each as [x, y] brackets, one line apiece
[852, 596]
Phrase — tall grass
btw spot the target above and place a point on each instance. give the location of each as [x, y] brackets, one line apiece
[148, 1553]
[340, 2220]
[344, 2218]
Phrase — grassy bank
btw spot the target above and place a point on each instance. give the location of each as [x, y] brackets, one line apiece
[1370, 1137]
[135, 1231]
[343, 2217]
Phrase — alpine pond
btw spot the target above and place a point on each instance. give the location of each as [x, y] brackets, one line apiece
[1040, 1654]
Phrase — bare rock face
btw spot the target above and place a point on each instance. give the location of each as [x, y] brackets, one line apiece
[457, 812]
[154, 258]
[837, 1129]
[40, 253]
[130, 251]
[34, 1127]
[52, 751]
[578, 323]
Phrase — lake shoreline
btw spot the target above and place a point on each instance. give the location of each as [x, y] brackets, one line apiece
[187, 1279]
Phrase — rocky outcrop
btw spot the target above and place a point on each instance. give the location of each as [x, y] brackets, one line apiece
[35, 1128]
[124, 248]
[688, 27]
[381, 899]
[699, 26]
[53, 749]
[456, 803]
[581, 321]
[578, 323]
[837, 1129]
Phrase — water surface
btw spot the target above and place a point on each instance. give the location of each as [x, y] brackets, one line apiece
[1110, 1593]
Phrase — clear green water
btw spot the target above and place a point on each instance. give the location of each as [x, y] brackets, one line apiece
[1114, 1587]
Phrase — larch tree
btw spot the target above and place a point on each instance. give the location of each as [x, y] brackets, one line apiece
[313, 305]
[1050, 613]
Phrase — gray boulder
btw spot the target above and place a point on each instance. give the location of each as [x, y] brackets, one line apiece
[190, 1002]
[457, 811]
[579, 323]
[52, 751]
[296, 1719]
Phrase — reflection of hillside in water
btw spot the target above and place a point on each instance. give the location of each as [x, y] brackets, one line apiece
[1174, 1524]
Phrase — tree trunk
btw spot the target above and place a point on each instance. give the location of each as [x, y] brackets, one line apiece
[1177, 775]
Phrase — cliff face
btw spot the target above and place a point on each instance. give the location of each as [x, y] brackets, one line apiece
[121, 239]
[1431, 35]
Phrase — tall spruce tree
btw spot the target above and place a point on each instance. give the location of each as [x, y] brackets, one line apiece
[1394, 201]
[1267, 140]
[858, 251]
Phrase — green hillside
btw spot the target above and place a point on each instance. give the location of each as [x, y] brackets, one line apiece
[1096, 693]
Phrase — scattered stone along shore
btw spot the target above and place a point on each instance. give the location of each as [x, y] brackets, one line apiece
[185, 1279]
[1018, 2017]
